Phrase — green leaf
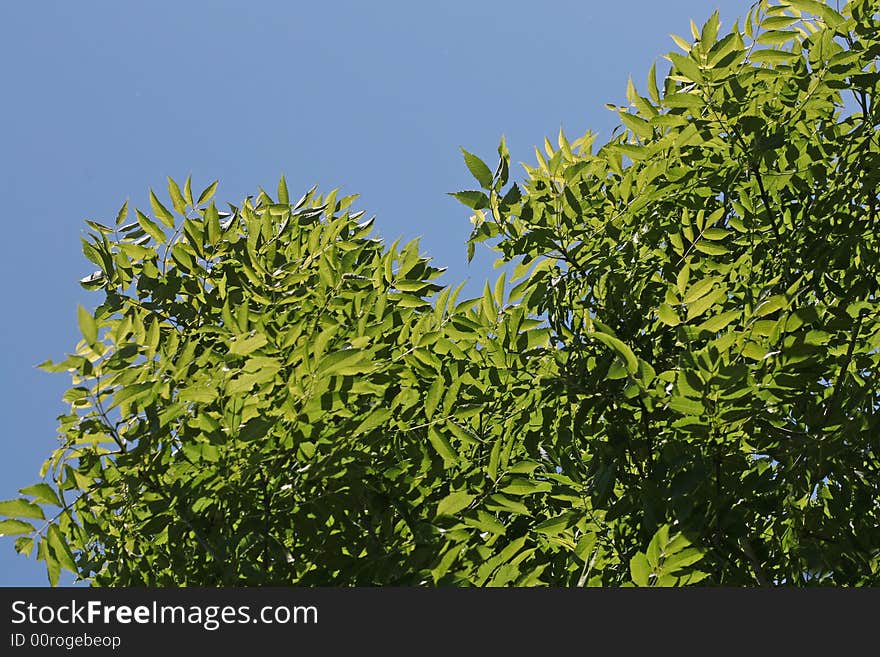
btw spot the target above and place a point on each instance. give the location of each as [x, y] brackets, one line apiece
[177, 199]
[486, 522]
[454, 502]
[682, 278]
[535, 338]
[43, 492]
[820, 9]
[130, 392]
[771, 56]
[634, 153]
[375, 418]
[60, 548]
[778, 22]
[21, 509]
[754, 351]
[207, 193]
[433, 396]
[656, 546]
[344, 362]
[715, 233]
[499, 502]
[494, 459]
[441, 444]
[668, 316]
[162, 213]
[53, 568]
[684, 100]
[472, 199]
[150, 227]
[711, 248]
[478, 169]
[686, 66]
[638, 125]
[187, 191]
[632, 363]
[463, 411]
[99, 228]
[680, 560]
[23, 544]
[212, 223]
[244, 346]
[681, 43]
[709, 33]
[512, 196]
[771, 305]
[719, 322]
[554, 526]
[15, 528]
[411, 286]
[522, 486]
[700, 289]
[199, 394]
[498, 291]
[653, 90]
[93, 281]
[686, 406]
[136, 251]
[254, 429]
[487, 303]
[640, 569]
[777, 37]
[647, 373]
[87, 325]
[446, 561]
[701, 305]
[283, 196]
[524, 467]
[122, 214]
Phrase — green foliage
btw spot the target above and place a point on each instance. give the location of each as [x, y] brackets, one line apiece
[677, 387]
[712, 289]
[669, 561]
[274, 396]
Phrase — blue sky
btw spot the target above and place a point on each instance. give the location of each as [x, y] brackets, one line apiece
[101, 100]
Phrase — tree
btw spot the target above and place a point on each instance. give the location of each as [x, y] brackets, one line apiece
[680, 385]
[267, 397]
[714, 297]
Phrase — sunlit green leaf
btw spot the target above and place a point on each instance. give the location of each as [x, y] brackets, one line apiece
[478, 169]
[60, 548]
[668, 316]
[632, 363]
[42, 492]
[176, 195]
[162, 213]
[151, 227]
[207, 193]
[454, 502]
[472, 199]
[441, 444]
[15, 527]
[87, 325]
[700, 289]
[639, 569]
[20, 509]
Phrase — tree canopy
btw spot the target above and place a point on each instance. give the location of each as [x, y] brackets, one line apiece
[677, 386]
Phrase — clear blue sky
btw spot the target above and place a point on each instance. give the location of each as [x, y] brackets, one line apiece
[102, 100]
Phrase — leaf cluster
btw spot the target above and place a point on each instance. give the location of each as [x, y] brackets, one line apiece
[678, 385]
